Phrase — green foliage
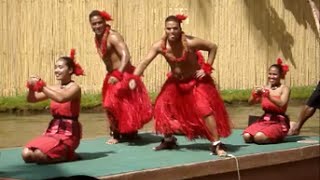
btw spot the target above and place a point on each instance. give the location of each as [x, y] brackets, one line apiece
[301, 92]
[230, 96]
[19, 103]
[89, 101]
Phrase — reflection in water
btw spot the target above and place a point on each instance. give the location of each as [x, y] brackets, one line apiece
[17, 130]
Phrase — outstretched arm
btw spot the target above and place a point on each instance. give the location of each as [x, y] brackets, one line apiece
[153, 52]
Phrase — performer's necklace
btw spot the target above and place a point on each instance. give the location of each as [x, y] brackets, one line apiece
[101, 44]
[275, 87]
[63, 85]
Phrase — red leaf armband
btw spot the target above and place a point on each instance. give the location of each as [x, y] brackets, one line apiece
[255, 95]
[38, 86]
[117, 74]
[266, 93]
[207, 68]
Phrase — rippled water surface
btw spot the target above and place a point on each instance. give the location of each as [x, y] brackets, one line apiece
[16, 130]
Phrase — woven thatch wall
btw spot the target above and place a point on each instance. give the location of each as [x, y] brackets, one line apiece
[250, 34]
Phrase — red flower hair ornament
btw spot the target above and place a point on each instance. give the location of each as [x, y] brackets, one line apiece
[181, 17]
[284, 67]
[77, 68]
[106, 16]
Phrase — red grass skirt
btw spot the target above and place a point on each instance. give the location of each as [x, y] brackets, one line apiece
[60, 140]
[181, 106]
[275, 127]
[129, 109]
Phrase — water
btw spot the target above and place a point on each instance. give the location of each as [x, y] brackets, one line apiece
[16, 130]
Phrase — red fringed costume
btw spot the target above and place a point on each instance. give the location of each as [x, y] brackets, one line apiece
[273, 123]
[182, 104]
[64, 131]
[128, 109]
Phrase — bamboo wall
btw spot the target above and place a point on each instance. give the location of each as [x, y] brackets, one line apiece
[250, 35]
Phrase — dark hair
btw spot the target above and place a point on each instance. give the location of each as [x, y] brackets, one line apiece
[279, 67]
[69, 62]
[94, 13]
[173, 18]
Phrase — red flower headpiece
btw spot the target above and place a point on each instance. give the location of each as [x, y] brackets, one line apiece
[72, 53]
[77, 68]
[105, 15]
[284, 67]
[181, 17]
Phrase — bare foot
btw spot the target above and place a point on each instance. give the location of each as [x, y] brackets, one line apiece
[293, 129]
[112, 141]
[166, 144]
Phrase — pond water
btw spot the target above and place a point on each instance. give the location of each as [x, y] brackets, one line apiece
[16, 130]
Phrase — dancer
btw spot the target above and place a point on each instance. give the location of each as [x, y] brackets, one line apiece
[189, 102]
[127, 110]
[273, 125]
[62, 137]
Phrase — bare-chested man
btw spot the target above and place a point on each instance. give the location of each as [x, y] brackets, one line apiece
[127, 110]
[188, 102]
